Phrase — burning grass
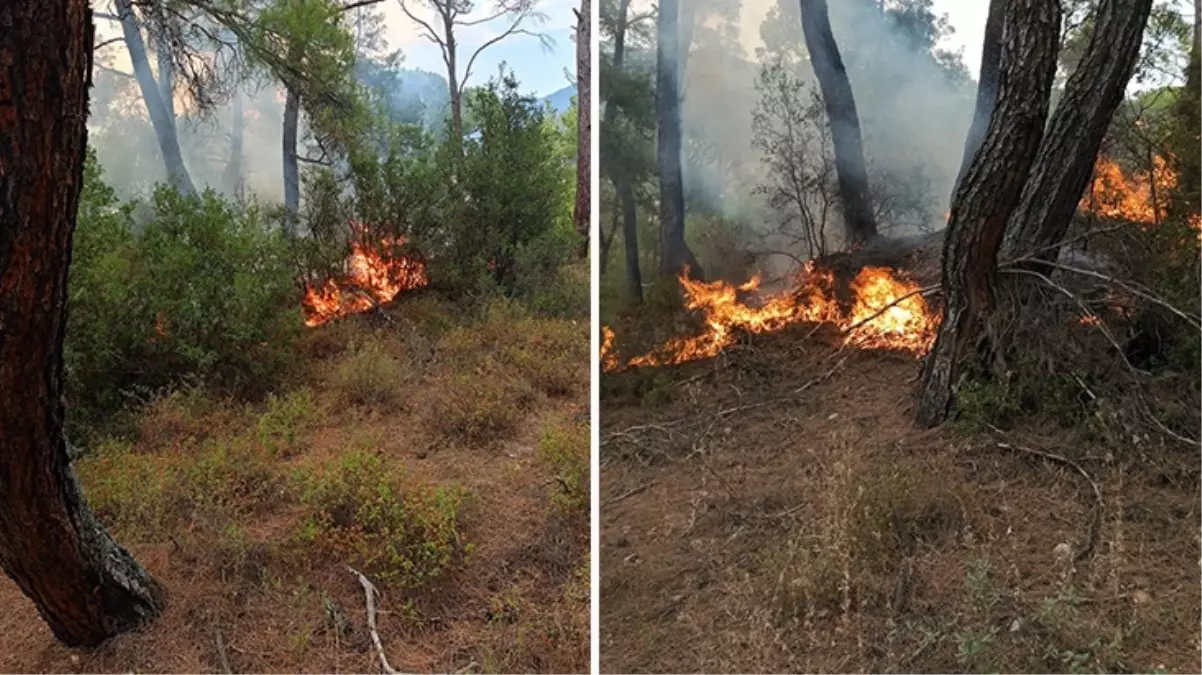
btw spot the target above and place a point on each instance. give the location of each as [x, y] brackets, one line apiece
[887, 312]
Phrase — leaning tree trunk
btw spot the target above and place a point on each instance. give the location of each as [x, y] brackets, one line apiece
[85, 586]
[583, 123]
[676, 254]
[986, 87]
[854, 193]
[160, 117]
[1066, 158]
[989, 192]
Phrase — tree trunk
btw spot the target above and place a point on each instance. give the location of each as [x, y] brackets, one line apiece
[1066, 158]
[232, 177]
[453, 79]
[676, 253]
[166, 80]
[582, 213]
[85, 586]
[160, 118]
[986, 86]
[630, 239]
[854, 192]
[291, 167]
[989, 192]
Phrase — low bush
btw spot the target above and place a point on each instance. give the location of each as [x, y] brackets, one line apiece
[404, 534]
[564, 447]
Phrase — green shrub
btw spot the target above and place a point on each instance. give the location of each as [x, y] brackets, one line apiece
[510, 198]
[407, 535]
[564, 448]
[204, 290]
[281, 427]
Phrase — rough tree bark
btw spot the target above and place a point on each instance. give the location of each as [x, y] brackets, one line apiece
[854, 192]
[583, 123]
[986, 87]
[85, 586]
[160, 117]
[989, 192]
[676, 254]
[1064, 165]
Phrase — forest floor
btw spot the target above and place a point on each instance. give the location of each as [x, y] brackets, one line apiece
[443, 457]
[776, 510]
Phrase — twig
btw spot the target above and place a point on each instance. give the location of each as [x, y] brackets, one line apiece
[928, 290]
[222, 656]
[369, 592]
[629, 493]
[1146, 411]
[1095, 525]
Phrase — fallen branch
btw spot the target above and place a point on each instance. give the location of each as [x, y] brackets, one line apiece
[1095, 525]
[369, 592]
[1194, 321]
[1097, 323]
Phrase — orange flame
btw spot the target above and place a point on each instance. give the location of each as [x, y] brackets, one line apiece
[907, 325]
[370, 279]
[1117, 195]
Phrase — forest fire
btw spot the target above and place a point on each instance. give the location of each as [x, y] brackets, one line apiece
[371, 279]
[1138, 197]
[908, 325]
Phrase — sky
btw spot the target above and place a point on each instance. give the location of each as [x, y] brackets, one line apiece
[968, 18]
[540, 71]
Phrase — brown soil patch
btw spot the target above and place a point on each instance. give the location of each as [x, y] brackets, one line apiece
[820, 531]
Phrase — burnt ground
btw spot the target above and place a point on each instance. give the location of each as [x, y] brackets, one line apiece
[751, 527]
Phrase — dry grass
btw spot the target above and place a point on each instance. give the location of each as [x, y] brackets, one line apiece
[823, 533]
[248, 513]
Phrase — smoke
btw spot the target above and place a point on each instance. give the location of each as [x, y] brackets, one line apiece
[119, 130]
[914, 113]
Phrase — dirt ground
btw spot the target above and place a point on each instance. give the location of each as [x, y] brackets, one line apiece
[775, 510]
[520, 603]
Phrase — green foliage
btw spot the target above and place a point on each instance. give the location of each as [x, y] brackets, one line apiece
[406, 535]
[203, 290]
[511, 195]
[281, 428]
[564, 448]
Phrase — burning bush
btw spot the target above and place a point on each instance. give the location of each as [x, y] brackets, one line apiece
[374, 273]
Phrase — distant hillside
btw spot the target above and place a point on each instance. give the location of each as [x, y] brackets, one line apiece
[561, 100]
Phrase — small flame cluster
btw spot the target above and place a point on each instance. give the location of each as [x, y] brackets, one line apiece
[371, 277]
[907, 325]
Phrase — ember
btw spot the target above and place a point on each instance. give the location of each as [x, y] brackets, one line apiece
[372, 277]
